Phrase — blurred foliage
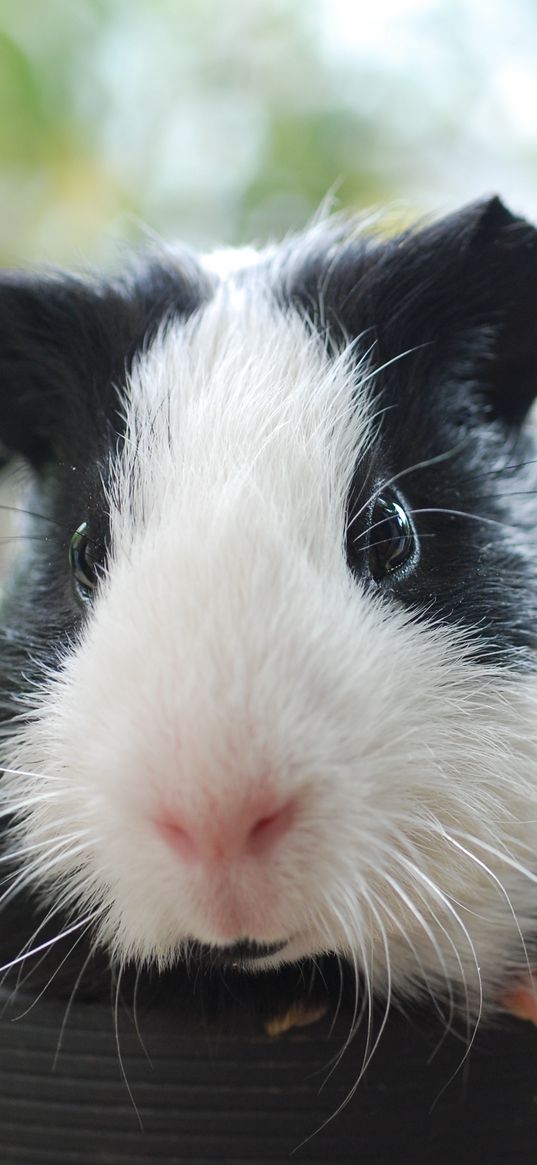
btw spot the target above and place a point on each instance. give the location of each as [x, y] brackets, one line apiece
[225, 122]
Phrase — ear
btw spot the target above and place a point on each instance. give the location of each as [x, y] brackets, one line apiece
[468, 285]
[66, 344]
[56, 353]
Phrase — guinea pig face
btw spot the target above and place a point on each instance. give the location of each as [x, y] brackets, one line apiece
[275, 625]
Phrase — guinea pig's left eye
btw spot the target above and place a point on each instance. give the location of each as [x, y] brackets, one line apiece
[391, 537]
[83, 562]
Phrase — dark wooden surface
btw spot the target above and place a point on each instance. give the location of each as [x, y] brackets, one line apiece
[212, 1095]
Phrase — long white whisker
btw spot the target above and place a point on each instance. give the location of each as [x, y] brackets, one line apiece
[45, 845]
[427, 929]
[504, 855]
[370, 1045]
[464, 514]
[497, 882]
[31, 1006]
[118, 1047]
[135, 1017]
[387, 964]
[429, 461]
[32, 775]
[70, 1002]
[50, 942]
[39, 868]
[337, 1008]
[388, 363]
[448, 906]
[63, 903]
[28, 802]
[20, 979]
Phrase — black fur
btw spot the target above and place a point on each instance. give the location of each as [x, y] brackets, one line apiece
[448, 314]
[66, 346]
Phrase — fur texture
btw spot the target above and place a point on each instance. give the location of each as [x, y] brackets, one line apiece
[225, 430]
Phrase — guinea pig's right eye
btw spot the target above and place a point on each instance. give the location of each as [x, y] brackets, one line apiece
[83, 563]
[392, 540]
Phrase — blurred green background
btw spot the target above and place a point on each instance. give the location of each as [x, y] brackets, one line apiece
[230, 120]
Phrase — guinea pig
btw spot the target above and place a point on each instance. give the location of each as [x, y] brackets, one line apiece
[269, 684]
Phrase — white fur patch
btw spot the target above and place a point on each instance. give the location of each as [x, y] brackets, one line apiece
[230, 647]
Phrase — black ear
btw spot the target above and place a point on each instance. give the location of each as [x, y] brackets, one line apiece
[510, 279]
[60, 340]
[66, 344]
[467, 285]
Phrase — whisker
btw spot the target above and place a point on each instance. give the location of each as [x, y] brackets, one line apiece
[435, 890]
[334, 1114]
[504, 855]
[51, 941]
[370, 1045]
[118, 1047]
[28, 802]
[517, 493]
[464, 514]
[21, 978]
[440, 457]
[497, 882]
[34, 514]
[8, 538]
[27, 877]
[510, 468]
[65, 900]
[340, 995]
[27, 773]
[387, 964]
[70, 1002]
[422, 922]
[44, 864]
[316, 917]
[31, 1006]
[388, 363]
[15, 855]
[135, 1017]
[368, 996]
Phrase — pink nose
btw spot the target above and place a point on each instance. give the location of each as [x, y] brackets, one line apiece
[247, 831]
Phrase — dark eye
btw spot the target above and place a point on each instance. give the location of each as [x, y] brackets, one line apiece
[391, 537]
[84, 565]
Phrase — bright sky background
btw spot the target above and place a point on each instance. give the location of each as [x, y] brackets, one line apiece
[471, 64]
[228, 121]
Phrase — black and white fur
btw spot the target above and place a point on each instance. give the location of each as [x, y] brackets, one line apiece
[224, 425]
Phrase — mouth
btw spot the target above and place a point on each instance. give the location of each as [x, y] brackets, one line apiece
[239, 954]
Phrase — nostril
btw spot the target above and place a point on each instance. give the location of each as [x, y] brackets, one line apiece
[269, 828]
[216, 836]
[178, 837]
